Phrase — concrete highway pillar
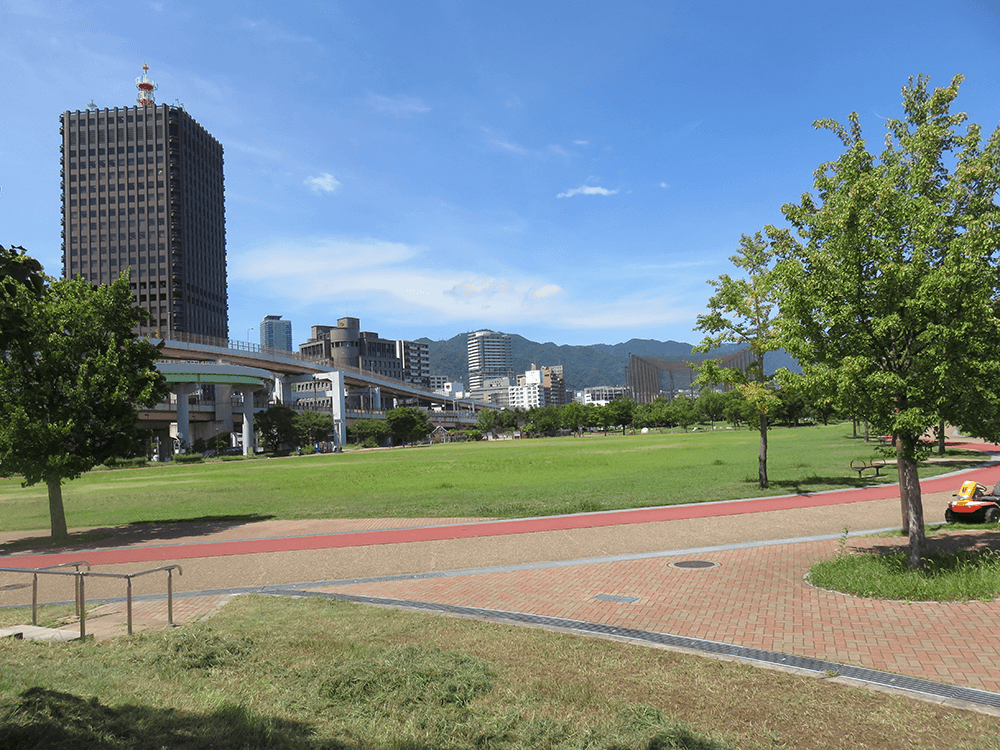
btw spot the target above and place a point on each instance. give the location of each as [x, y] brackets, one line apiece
[182, 391]
[248, 445]
[337, 404]
[283, 390]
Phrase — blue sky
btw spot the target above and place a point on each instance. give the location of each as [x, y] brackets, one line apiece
[569, 171]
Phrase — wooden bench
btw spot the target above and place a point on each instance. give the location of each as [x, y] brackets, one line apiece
[876, 463]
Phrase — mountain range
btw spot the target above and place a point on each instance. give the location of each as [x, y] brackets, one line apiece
[583, 366]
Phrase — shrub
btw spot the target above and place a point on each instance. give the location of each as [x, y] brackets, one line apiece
[187, 458]
[127, 463]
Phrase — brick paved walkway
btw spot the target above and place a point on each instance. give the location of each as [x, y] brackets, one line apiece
[755, 598]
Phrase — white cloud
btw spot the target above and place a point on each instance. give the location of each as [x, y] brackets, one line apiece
[479, 287]
[322, 274]
[312, 261]
[581, 143]
[513, 148]
[546, 291]
[502, 143]
[322, 183]
[586, 190]
[399, 105]
[664, 185]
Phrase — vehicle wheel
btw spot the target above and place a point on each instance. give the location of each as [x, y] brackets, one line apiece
[992, 515]
[949, 516]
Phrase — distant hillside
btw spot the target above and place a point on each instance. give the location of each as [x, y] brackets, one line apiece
[584, 366]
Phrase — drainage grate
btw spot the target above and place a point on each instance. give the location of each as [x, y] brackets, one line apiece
[613, 598]
[871, 676]
[694, 564]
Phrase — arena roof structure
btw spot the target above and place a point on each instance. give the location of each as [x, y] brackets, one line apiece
[649, 377]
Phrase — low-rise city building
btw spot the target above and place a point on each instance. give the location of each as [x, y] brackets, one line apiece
[603, 394]
[347, 346]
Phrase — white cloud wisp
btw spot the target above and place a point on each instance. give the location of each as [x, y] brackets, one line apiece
[586, 190]
[389, 279]
[322, 183]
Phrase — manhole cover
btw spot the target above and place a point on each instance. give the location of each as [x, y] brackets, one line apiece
[694, 564]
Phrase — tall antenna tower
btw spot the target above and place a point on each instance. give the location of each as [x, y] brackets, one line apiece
[146, 88]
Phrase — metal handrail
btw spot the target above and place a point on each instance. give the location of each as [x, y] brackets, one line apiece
[80, 595]
[77, 590]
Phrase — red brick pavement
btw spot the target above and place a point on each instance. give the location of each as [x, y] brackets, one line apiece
[757, 598]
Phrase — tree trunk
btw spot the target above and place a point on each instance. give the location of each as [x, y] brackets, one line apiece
[762, 457]
[57, 516]
[940, 437]
[904, 506]
[910, 500]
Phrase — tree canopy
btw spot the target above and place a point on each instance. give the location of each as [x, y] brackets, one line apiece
[72, 382]
[744, 311]
[407, 423]
[892, 281]
[277, 427]
[18, 272]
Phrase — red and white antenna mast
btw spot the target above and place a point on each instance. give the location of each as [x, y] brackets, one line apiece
[146, 88]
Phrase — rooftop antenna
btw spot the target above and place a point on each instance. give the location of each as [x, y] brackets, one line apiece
[91, 105]
[146, 88]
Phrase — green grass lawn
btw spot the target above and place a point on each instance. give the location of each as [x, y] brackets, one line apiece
[498, 479]
[313, 674]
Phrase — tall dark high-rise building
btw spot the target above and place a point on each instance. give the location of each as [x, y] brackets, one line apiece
[143, 190]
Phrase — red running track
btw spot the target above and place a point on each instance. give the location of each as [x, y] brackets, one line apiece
[190, 550]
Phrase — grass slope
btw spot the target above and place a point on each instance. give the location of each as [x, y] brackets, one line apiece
[489, 480]
[308, 674]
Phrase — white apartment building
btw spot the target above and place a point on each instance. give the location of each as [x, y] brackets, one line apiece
[526, 396]
[490, 357]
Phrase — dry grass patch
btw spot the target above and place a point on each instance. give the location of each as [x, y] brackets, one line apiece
[313, 673]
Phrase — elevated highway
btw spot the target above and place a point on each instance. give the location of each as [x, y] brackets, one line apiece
[217, 384]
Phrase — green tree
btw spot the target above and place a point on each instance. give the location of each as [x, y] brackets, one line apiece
[487, 420]
[408, 424]
[893, 281]
[276, 426]
[660, 412]
[223, 441]
[574, 416]
[311, 426]
[711, 406]
[369, 430]
[683, 411]
[72, 383]
[744, 311]
[18, 272]
[618, 413]
[508, 419]
[643, 415]
[546, 419]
